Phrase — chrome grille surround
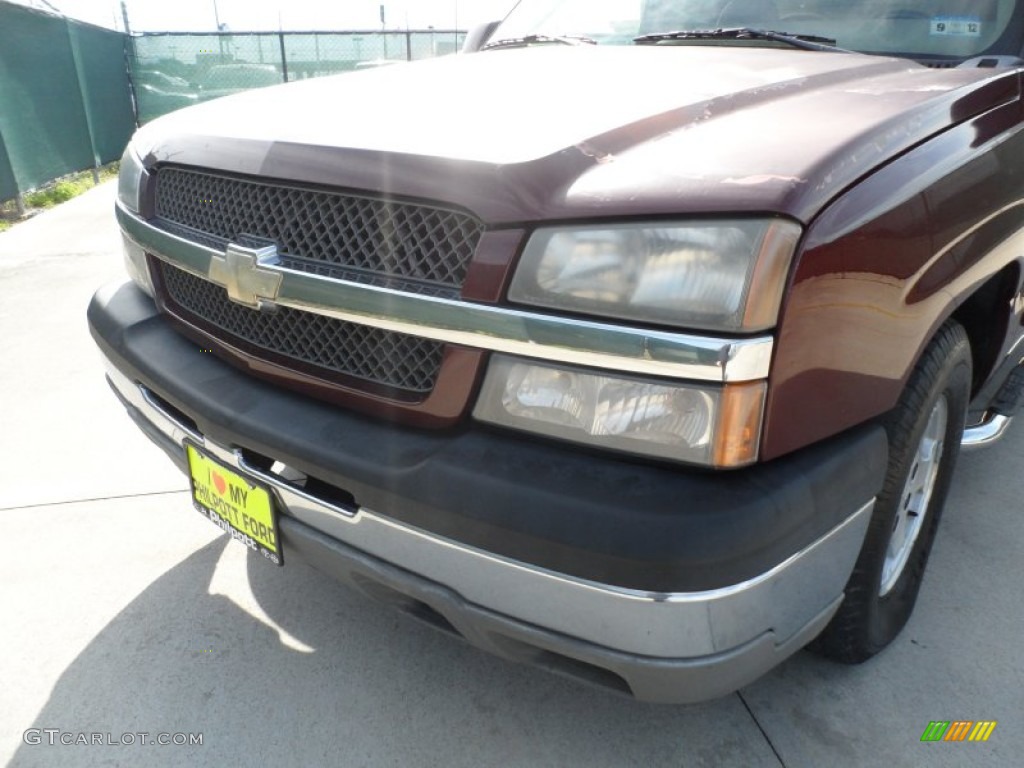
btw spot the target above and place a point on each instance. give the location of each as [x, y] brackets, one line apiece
[420, 249]
[513, 331]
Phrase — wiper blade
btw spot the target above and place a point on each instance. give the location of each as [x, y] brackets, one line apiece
[522, 42]
[804, 42]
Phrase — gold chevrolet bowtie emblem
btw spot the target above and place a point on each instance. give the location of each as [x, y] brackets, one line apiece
[242, 272]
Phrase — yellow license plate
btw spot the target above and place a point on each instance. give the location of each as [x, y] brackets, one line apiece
[236, 504]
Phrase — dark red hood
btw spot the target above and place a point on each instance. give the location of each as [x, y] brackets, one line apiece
[577, 131]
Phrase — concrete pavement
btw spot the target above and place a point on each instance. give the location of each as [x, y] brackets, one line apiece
[122, 611]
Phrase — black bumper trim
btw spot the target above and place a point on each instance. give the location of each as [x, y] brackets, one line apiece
[612, 520]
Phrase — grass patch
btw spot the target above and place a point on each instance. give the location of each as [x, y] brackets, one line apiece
[54, 193]
[61, 192]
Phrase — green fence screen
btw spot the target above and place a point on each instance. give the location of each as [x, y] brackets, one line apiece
[71, 94]
[104, 80]
[65, 102]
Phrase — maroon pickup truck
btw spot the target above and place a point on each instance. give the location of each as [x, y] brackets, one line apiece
[637, 342]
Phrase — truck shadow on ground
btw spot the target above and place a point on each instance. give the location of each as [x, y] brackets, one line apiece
[302, 671]
[287, 666]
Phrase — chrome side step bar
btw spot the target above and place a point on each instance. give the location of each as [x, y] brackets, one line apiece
[985, 434]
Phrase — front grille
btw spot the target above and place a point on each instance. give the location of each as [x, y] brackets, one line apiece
[394, 361]
[409, 241]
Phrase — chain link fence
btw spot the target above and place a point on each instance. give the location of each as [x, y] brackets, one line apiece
[171, 70]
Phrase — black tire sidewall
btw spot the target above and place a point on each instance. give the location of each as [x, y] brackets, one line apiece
[866, 622]
[945, 369]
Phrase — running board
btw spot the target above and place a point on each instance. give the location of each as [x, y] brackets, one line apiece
[985, 434]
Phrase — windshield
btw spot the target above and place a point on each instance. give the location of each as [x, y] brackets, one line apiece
[946, 29]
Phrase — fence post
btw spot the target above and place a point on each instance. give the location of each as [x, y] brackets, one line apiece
[8, 169]
[284, 60]
[130, 65]
[408, 45]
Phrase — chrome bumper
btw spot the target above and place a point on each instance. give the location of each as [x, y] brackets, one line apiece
[680, 646]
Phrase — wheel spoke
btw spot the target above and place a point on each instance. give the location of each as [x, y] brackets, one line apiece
[916, 495]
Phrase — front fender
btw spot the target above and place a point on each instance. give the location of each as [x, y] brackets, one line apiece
[884, 266]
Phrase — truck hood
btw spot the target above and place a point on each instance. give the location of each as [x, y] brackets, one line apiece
[574, 131]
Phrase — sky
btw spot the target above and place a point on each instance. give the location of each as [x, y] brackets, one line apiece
[262, 15]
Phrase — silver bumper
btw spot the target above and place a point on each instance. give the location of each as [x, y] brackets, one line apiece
[683, 646]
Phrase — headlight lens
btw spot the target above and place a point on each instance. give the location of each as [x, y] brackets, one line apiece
[718, 426]
[721, 275]
[129, 183]
[129, 179]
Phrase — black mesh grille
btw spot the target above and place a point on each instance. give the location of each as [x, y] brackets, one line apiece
[392, 360]
[402, 240]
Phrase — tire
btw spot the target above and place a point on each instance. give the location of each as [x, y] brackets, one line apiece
[924, 430]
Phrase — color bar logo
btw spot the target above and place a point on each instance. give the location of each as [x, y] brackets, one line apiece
[959, 730]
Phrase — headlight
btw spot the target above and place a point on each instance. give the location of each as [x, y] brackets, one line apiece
[129, 180]
[710, 425]
[721, 275]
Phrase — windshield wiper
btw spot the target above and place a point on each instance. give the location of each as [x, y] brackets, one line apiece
[522, 42]
[803, 42]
